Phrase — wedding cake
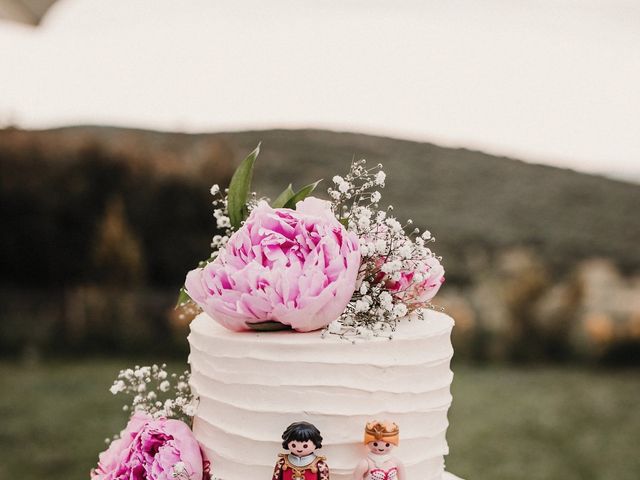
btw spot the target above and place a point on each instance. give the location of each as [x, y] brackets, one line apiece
[316, 352]
[251, 385]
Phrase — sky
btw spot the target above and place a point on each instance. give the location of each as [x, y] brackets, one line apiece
[552, 82]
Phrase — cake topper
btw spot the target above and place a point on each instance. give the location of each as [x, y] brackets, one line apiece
[345, 265]
[301, 439]
[380, 438]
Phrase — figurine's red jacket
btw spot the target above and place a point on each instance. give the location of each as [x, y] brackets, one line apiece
[316, 470]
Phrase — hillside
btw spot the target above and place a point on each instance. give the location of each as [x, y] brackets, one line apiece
[468, 199]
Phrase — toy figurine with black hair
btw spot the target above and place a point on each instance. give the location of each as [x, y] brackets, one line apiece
[380, 438]
[301, 439]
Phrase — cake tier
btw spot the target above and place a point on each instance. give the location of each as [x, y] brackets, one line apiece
[253, 385]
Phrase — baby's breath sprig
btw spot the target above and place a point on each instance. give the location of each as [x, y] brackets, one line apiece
[181, 472]
[157, 392]
[357, 190]
[221, 214]
[394, 263]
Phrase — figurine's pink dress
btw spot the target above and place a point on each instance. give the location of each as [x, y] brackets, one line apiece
[381, 474]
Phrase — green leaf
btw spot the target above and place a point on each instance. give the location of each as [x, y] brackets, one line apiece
[301, 194]
[268, 326]
[239, 189]
[283, 198]
[183, 297]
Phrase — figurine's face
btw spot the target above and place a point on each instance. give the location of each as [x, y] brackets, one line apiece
[380, 447]
[301, 449]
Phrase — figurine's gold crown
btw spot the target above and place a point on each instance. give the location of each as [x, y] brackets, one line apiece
[387, 431]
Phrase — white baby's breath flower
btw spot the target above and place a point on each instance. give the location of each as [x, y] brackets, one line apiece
[179, 470]
[117, 387]
[223, 222]
[380, 178]
[361, 306]
[215, 189]
[189, 410]
[385, 299]
[405, 251]
[393, 224]
[392, 266]
[363, 211]
[400, 309]
[375, 197]
[164, 386]
[334, 327]
[182, 386]
[344, 187]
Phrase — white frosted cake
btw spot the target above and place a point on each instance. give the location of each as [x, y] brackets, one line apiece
[252, 385]
[317, 354]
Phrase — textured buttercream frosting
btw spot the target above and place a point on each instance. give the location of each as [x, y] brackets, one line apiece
[253, 385]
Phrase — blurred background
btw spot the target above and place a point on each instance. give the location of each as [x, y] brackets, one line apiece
[510, 130]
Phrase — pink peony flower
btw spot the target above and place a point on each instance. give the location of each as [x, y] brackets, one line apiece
[297, 267]
[410, 291]
[152, 449]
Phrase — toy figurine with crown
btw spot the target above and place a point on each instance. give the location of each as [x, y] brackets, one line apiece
[380, 438]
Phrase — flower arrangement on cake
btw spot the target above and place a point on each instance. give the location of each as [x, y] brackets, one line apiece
[342, 266]
[157, 442]
[300, 262]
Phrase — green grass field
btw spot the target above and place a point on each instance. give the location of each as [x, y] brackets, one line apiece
[506, 423]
